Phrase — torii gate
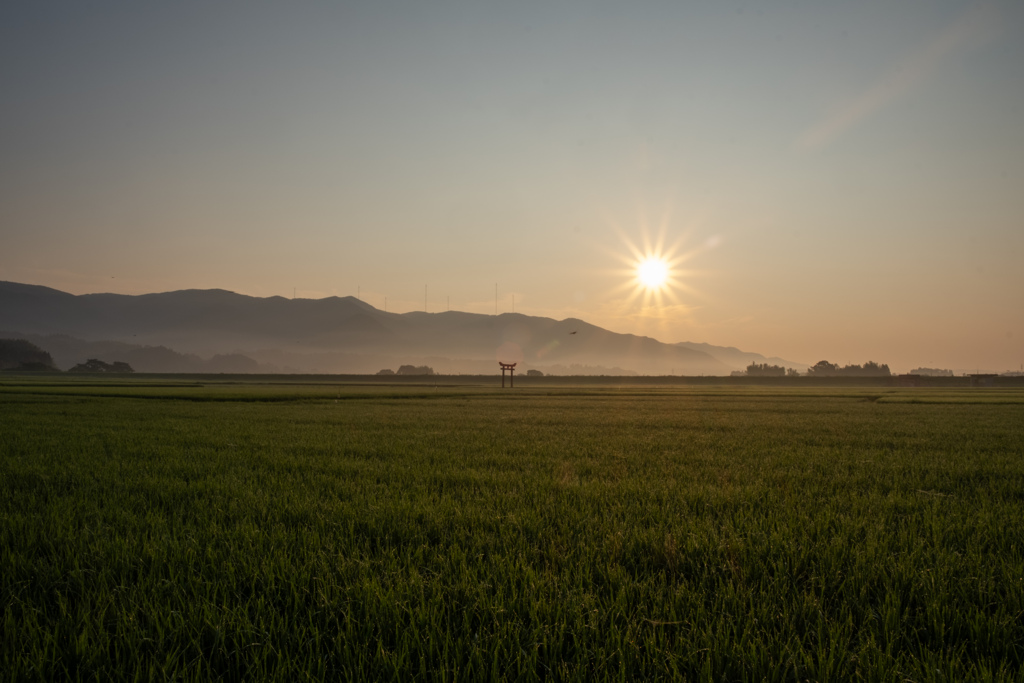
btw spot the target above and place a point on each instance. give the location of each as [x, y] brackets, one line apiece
[511, 367]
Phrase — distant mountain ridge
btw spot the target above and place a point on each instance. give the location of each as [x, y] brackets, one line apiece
[344, 334]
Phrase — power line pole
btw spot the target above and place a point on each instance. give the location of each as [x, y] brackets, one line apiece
[495, 298]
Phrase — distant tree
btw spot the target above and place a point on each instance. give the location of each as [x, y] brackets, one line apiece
[415, 370]
[823, 369]
[932, 372]
[96, 365]
[19, 354]
[869, 369]
[91, 365]
[534, 373]
[873, 369]
[765, 370]
[792, 372]
[386, 371]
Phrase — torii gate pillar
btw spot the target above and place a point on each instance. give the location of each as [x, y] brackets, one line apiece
[511, 367]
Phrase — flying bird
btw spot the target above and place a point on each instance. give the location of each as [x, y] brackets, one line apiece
[574, 332]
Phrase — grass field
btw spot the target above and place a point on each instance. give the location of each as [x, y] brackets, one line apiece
[197, 530]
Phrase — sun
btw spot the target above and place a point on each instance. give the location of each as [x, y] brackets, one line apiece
[653, 273]
[657, 274]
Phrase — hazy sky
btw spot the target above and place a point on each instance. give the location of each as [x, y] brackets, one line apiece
[839, 180]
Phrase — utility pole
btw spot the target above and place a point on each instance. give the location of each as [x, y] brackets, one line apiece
[424, 298]
[495, 298]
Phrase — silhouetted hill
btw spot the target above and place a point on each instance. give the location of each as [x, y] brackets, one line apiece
[21, 353]
[68, 351]
[343, 334]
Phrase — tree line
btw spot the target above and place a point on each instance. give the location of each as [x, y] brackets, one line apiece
[767, 370]
[409, 370]
[822, 368]
[870, 369]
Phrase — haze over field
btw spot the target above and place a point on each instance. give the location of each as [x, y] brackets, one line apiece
[804, 180]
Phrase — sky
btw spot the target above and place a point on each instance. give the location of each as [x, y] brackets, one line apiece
[825, 180]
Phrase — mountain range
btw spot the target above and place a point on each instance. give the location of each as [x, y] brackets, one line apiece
[221, 331]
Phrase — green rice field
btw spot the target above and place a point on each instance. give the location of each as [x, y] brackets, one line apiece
[154, 529]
